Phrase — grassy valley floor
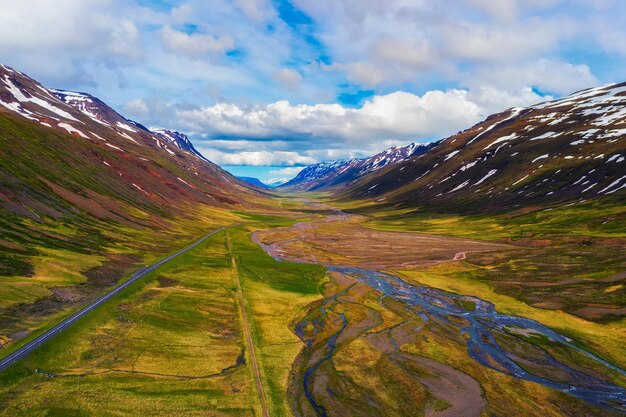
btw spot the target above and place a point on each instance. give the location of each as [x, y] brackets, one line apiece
[181, 341]
[173, 344]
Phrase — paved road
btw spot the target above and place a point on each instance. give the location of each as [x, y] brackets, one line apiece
[49, 334]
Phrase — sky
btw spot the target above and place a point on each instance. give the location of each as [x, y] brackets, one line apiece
[264, 87]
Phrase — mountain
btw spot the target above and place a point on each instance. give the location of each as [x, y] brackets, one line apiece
[165, 161]
[268, 183]
[563, 150]
[313, 176]
[276, 182]
[254, 181]
[76, 174]
[345, 171]
[99, 112]
[87, 196]
[180, 140]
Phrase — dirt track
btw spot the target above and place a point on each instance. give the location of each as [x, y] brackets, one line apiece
[245, 324]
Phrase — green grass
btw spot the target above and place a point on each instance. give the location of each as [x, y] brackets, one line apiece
[72, 210]
[276, 293]
[137, 353]
[256, 265]
[172, 344]
[188, 330]
[587, 219]
[63, 267]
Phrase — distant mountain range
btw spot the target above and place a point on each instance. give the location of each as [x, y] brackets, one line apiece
[346, 171]
[268, 183]
[275, 182]
[568, 149]
[254, 181]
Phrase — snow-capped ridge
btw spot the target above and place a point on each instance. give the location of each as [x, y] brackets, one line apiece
[82, 115]
[548, 152]
[178, 139]
[342, 171]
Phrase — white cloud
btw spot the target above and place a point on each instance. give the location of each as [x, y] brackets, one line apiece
[289, 78]
[288, 134]
[502, 9]
[364, 73]
[286, 172]
[194, 45]
[509, 10]
[317, 132]
[551, 75]
[512, 43]
[53, 39]
[124, 39]
[123, 49]
[182, 14]
[256, 10]
[494, 100]
[399, 115]
[137, 108]
[410, 53]
[378, 44]
[259, 158]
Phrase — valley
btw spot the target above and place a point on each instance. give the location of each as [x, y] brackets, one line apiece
[334, 292]
[457, 278]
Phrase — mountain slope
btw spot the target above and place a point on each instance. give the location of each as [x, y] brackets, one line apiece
[87, 195]
[162, 165]
[568, 149]
[345, 171]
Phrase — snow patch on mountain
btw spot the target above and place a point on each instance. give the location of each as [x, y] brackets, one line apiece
[178, 139]
[25, 97]
[71, 130]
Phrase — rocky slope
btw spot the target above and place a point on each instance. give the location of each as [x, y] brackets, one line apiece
[570, 149]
